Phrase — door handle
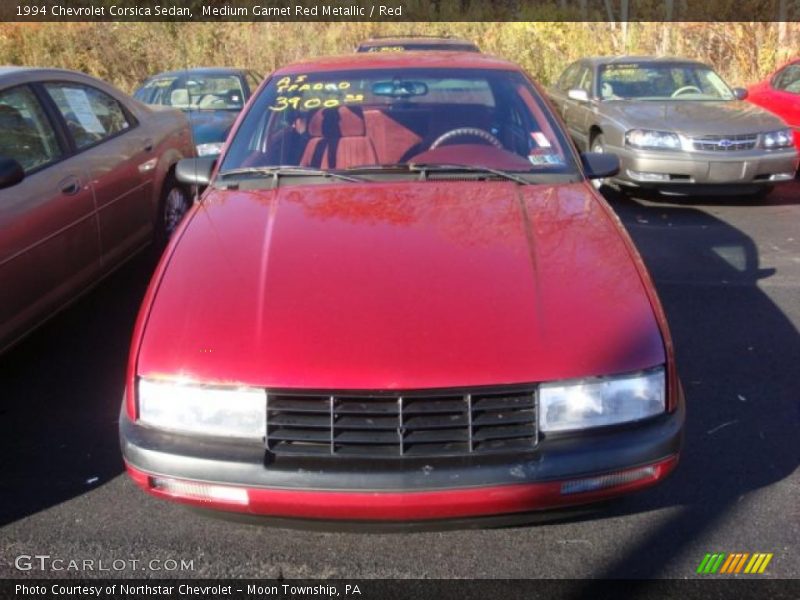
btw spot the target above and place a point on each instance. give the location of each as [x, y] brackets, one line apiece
[148, 145]
[70, 186]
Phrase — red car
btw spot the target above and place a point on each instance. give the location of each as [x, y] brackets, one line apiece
[400, 299]
[780, 94]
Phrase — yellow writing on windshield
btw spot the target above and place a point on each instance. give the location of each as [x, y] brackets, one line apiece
[300, 94]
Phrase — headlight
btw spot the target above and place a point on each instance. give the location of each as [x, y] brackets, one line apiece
[646, 139]
[209, 149]
[602, 401]
[777, 139]
[229, 412]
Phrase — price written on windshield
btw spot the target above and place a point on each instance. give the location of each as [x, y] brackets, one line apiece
[300, 94]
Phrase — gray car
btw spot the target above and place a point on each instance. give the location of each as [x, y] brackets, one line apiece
[675, 125]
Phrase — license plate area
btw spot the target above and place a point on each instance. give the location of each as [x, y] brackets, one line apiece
[722, 172]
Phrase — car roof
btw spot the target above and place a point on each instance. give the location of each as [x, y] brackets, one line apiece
[389, 60]
[22, 74]
[611, 60]
[200, 71]
[417, 39]
[18, 70]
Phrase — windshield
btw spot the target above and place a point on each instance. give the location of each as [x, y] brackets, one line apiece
[661, 81]
[371, 118]
[194, 92]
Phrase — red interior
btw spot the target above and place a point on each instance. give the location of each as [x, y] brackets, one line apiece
[352, 136]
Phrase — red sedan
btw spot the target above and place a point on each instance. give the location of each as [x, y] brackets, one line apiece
[780, 94]
[87, 179]
[400, 299]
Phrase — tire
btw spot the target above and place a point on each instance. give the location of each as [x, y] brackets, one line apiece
[172, 207]
[597, 144]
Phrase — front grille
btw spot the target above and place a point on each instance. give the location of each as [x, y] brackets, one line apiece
[725, 143]
[401, 426]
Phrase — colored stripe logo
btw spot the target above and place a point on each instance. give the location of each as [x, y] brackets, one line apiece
[736, 562]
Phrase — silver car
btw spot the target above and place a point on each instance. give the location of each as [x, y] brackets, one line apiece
[675, 125]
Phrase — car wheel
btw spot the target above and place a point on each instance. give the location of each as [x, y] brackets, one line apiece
[175, 202]
[598, 145]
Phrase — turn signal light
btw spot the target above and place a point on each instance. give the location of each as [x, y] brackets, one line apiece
[593, 484]
[200, 491]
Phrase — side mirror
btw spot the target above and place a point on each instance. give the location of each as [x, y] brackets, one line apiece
[740, 93]
[195, 171]
[11, 172]
[578, 94]
[599, 165]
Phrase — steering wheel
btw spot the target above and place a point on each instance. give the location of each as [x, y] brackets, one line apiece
[466, 131]
[686, 88]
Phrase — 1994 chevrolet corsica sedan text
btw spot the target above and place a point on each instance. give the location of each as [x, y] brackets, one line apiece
[400, 299]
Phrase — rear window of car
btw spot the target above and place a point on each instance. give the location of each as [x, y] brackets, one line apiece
[419, 47]
[194, 92]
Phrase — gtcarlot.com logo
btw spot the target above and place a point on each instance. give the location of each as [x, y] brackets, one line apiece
[46, 562]
[721, 563]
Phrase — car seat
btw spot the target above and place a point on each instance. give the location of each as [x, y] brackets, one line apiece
[338, 140]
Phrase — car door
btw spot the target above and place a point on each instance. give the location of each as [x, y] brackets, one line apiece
[119, 158]
[568, 79]
[580, 113]
[49, 247]
[576, 113]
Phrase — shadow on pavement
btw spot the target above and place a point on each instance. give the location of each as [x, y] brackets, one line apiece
[60, 394]
[738, 357]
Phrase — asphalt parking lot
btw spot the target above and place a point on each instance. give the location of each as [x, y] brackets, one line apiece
[728, 272]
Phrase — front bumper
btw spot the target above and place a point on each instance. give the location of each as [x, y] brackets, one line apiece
[243, 478]
[743, 171]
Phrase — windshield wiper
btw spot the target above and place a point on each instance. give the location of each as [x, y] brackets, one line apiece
[425, 168]
[289, 171]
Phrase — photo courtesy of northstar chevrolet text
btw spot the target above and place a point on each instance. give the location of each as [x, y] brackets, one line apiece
[294, 290]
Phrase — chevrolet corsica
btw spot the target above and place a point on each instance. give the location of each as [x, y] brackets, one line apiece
[400, 299]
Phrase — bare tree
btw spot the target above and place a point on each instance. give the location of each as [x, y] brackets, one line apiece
[623, 14]
[666, 27]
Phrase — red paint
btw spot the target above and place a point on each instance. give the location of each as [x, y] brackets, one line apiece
[404, 285]
[780, 102]
[402, 506]
[401, 285]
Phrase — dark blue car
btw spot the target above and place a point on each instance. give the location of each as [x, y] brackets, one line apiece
[212, 98]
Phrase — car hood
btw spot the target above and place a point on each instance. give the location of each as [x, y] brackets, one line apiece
[399, 286]
[693, 117]
[210, 126]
